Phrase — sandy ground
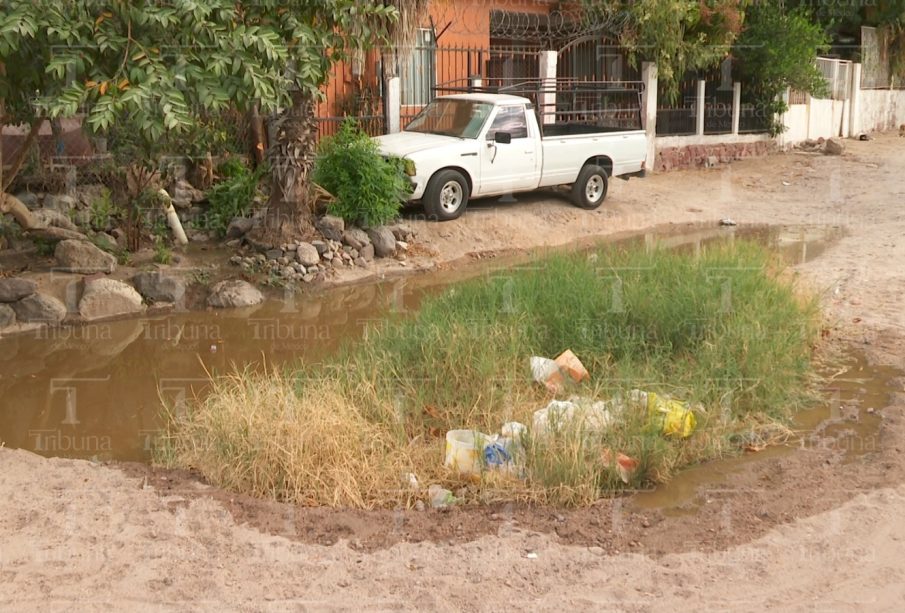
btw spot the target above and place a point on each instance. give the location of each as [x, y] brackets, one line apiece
[81, 536]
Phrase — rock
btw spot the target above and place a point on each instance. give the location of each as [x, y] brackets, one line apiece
[361, 262]
[13, 289]
[367, 253]
[234, 243]
[40, 308]
[234, 293]
[105, 241]
[239, 227]
[30, 200]
[833, 147]
[356, 238]
[104, 298]
[402, 246]
[53, 219]
[184, 194]
[157, 286]
[60, 203]
[383, 240]
[83, 257]
[7, 316]
[273, 254]
[321, 247]
[307, 254]
[401, 231]
[331, 227]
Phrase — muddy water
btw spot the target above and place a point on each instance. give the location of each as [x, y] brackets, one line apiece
[847, 422]
[95, 391]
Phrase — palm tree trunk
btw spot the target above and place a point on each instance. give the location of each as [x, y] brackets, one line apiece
[290, 214]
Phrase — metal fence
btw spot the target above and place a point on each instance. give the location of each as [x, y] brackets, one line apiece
[876, 72]
[678, 116]
[837, 74]
[355, 90]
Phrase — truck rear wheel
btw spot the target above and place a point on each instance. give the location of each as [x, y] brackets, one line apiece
[589, 190]
[446, 195]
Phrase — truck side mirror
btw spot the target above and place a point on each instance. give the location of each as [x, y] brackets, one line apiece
[503, 138]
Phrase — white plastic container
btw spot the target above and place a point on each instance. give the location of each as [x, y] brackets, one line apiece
[464, 450]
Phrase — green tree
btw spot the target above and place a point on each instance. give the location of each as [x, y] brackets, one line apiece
[163, 63]
[679, 35]
[778, 50]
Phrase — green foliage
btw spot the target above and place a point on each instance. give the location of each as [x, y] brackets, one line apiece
[162, 252]
[720, 330]
[679, 35]
[369, 189]
[102, 211]
[778, 50]
[233, 196]
[109, 59]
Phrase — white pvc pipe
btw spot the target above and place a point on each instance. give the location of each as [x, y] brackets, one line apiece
[173, 219]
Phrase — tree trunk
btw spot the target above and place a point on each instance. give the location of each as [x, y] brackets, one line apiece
[290, 212]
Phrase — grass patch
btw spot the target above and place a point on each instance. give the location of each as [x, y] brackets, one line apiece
[723, 330]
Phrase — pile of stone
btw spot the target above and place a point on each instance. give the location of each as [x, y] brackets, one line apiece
[342, 247]
[20, 302]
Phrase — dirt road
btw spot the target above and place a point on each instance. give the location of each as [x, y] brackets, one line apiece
[818, 533]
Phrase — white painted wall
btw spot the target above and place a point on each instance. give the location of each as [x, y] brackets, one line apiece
[796, 122]
[881, 109]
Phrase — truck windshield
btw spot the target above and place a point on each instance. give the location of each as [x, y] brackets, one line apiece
[451, 117]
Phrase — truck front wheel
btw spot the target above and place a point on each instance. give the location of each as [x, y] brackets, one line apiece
[446, 195]
[589, 191]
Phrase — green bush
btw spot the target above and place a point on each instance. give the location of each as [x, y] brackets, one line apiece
[233, 196]
[368, 188]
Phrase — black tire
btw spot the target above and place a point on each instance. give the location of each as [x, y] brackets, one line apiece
[589, 190]
[446, 195]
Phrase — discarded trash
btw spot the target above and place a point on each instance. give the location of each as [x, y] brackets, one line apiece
[728, 222]
[569, 364]
[674, 417]
[410, 481]
[531, 555]
[579, 413]
[441, 498]
[496, 455]
[464, 449]
[546, 371]
[625, 465]
[786, 183]
[513, 430]
[864, 137]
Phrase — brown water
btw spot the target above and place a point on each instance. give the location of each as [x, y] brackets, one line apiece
[95, 391]
[846, 422]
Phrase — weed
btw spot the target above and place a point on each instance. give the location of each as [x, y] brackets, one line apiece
[721, 331]
[233, 196]
[369, 189]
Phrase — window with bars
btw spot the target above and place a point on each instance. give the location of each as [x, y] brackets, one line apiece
[420, 74]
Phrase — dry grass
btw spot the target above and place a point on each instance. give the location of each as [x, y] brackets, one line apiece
[345, 433]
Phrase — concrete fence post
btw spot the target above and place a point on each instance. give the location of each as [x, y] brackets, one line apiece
[649, 111]
[854, 107]
[393, 105]
[736, 106]
[546, 105]
[702, 94]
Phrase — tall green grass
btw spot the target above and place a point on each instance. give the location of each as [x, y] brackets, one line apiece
[724, 331]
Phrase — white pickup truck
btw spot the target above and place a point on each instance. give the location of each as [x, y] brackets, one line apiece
[481, 144]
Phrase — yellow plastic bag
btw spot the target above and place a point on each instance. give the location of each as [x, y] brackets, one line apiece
[673, 416]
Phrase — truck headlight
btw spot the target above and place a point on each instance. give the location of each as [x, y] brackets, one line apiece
[408, 166]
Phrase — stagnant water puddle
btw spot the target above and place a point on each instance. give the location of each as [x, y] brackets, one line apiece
[95, 391]
[846, 422]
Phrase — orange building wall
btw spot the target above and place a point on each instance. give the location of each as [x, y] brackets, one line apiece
[459, 25]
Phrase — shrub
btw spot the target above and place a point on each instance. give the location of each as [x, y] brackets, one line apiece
[233, 196]
[368, 188]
